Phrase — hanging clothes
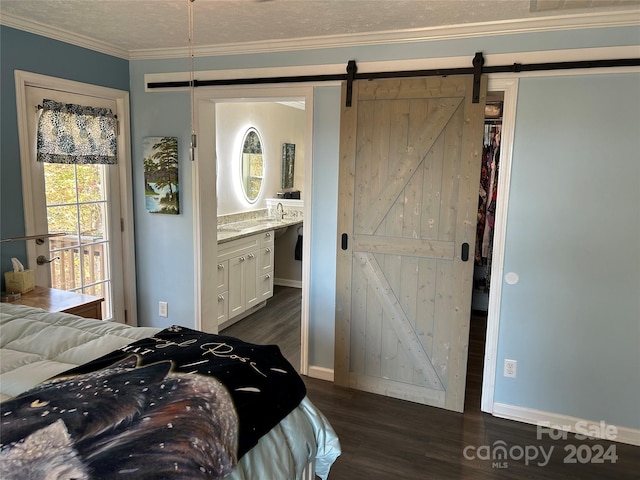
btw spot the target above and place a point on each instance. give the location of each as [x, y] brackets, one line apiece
[482, 200]
[487, 239]
[487, 198]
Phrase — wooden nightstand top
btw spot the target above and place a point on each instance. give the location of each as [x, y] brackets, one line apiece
[54, 300]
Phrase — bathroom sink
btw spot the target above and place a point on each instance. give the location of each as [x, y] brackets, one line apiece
[267, 220]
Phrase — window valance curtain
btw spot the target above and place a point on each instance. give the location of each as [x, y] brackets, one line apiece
[76, 134]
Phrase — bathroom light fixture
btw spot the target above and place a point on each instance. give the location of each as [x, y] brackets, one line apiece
[191, 82]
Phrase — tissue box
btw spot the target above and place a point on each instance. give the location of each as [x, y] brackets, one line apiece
[19, 282]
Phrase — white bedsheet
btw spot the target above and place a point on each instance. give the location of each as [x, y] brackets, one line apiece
[36, 345]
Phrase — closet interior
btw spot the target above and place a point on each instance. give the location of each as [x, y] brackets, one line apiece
[487, 198]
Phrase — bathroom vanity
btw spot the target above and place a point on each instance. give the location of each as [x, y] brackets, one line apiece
[245, 275]
[246, 248]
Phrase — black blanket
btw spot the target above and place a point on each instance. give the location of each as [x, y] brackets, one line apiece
[264, 386]
[182, 404]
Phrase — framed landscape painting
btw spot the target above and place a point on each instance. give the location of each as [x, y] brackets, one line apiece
[161, 174]
[288, 162]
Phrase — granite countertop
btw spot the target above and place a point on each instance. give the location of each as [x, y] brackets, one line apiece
[244, 228]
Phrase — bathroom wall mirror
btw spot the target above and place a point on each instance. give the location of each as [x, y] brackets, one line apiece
[252, 164]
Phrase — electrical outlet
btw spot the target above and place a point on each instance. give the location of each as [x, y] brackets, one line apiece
[510, 368]
[163, 309]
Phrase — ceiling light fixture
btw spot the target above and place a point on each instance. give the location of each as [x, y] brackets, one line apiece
[191, 82]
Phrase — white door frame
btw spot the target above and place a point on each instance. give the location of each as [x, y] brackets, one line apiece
[204, 194]
[25, 79]
[508, 85]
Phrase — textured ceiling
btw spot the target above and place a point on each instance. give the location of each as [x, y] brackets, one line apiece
[132, 25]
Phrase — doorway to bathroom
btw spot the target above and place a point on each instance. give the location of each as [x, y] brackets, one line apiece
[282, 117]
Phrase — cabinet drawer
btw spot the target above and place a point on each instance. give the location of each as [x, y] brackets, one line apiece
[223, 276]
[89, 310]
[267, 238]
[265, 286]
[241, 246]
[266, 259]
[223, 307]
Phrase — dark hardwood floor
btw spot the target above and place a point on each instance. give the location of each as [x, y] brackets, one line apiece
[385, 438]
[277, 323]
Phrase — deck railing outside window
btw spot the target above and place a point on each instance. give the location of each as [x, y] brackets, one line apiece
[81, 268]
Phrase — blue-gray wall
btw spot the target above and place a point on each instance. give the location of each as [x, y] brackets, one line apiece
[24, 51]
[571, 322]
[573, 231]
[573, 237]
[326, 149]
[164, 243]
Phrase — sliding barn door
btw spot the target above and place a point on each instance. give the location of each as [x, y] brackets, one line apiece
[410, 155]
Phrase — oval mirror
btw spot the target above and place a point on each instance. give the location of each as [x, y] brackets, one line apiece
[252, 164]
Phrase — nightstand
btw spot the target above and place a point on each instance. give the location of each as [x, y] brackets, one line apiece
[54, 300]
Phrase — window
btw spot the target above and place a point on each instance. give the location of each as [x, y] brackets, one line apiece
[75, 142]
[87, 197]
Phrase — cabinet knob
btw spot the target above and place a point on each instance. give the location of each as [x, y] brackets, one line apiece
[267, 249]
[251, 255]
[267, 276]
[220, 297]
[221, 266]
[241, 259]
[268, 234]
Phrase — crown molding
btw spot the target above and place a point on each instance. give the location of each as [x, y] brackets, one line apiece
[539, 24]
[449, 32]
[43, 30]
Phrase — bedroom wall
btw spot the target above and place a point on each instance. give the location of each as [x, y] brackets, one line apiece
[570, 345]
[573, 236]
[164, 243]
[25, 51]
[577, 397]
[322, 297]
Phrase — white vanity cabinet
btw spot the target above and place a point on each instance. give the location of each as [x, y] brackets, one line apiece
[245, 274]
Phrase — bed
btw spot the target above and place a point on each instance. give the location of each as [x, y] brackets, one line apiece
[247, 417]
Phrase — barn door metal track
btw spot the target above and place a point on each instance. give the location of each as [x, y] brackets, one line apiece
[477, 70]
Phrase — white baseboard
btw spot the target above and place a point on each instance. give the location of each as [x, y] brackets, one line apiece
[285, 282]
[321, 373]
[597, 429]
[531, 416]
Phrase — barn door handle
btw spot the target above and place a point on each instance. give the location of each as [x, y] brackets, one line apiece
[465, 252]
[345, 241]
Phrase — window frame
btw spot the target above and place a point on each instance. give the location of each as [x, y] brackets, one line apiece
[127, 312]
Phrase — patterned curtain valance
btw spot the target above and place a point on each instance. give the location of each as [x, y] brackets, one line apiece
[76, 134]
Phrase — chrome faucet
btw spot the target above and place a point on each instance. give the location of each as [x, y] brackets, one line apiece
[280, 210]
